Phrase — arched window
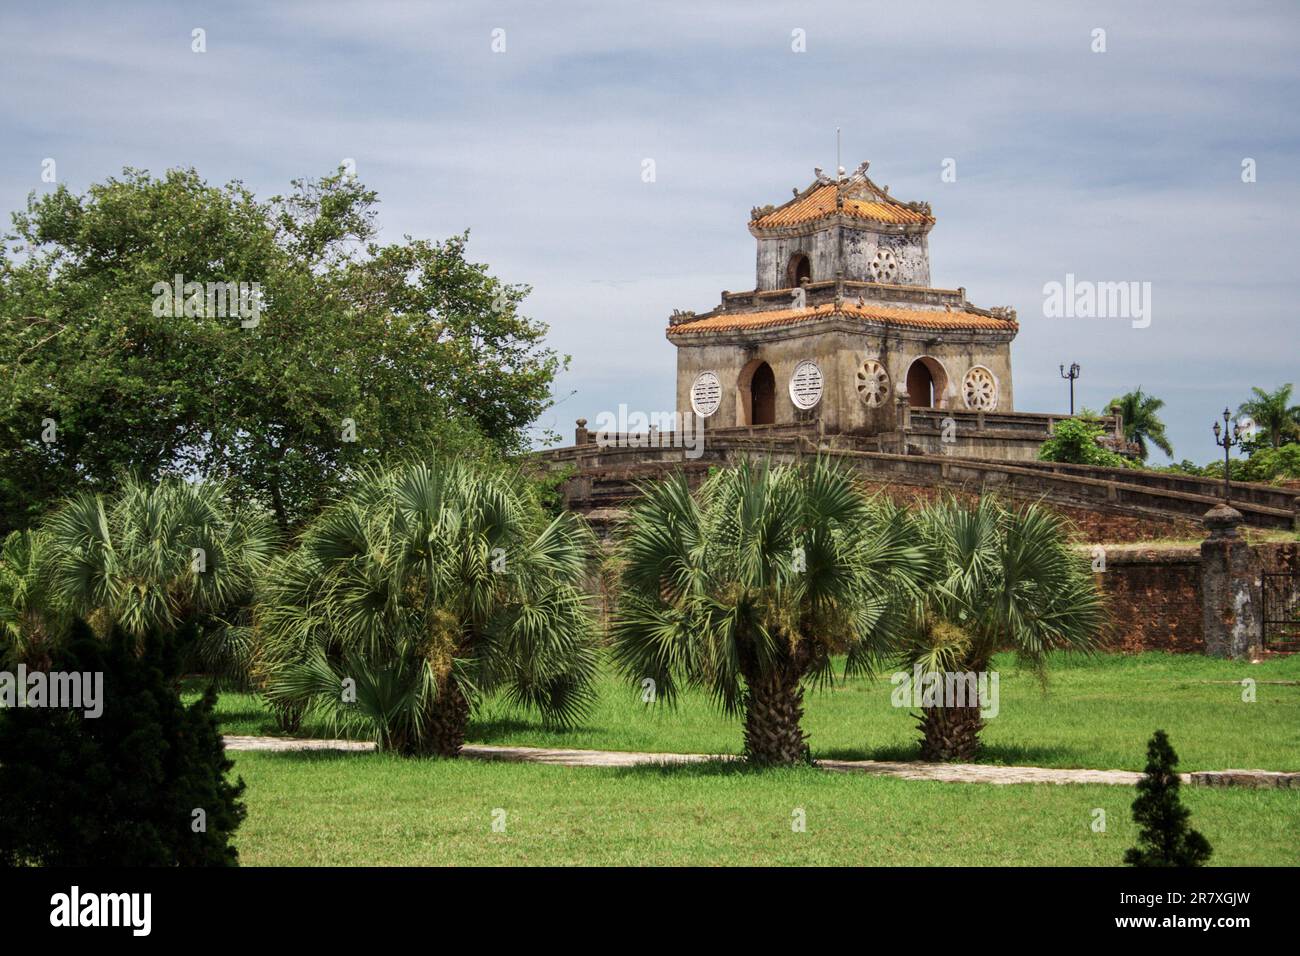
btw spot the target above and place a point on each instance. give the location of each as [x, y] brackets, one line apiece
[756, 394]
[927, 383]
[800, 268]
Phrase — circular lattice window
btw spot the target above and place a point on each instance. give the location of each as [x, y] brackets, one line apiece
[873, 383]
[884, 267]
[706, 394]
[980, 389]
[806, 385]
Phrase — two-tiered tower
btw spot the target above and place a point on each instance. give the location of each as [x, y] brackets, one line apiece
[842, 321]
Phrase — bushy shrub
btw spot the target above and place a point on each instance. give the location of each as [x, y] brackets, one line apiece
[1077, 441]
[123, 788]
[1184, 467]
[1271, 464]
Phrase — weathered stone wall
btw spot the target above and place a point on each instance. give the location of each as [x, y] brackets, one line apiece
[1154, 599]
[1089, 526]
[822, 244]
[1279, 557]
[1154, 593]
[839, 354]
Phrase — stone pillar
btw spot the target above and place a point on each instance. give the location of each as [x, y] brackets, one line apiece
[1230, 588]
[903, 407]
[580, 436]
[577, 493]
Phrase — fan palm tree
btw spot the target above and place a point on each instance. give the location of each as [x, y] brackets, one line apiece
[423, 589]
[1273, 414]
[1142, 424]
[747, 588]
[30, 623]
[157, 558]
[998, 578]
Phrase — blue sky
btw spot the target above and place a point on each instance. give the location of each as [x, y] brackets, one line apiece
[1115, 166]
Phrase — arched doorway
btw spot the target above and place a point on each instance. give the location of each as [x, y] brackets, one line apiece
[800, 268]
[756, 394]
[926, 383]
[762, 388]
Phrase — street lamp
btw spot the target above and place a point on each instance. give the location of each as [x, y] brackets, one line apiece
[1225, 439]
[1071, 375]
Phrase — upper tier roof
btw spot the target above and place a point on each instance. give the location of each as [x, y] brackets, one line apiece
[855, 196]
[937, 319]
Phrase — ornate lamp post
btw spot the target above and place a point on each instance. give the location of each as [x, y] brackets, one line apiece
[1225, 438]
[1072, 374]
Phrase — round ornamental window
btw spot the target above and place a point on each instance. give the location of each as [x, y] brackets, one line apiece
[884, 267]
[706, 394]
[979, 389]
[873, 383]
[806, 385]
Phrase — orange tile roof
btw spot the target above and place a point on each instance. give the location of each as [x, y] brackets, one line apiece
[871, 312]
[821, 203]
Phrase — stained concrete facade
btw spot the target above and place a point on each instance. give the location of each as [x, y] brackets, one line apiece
[851, 249]
[842, 281]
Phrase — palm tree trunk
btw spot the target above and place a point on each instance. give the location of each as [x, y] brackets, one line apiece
[288, 716]
[446, 721]
[950, 733]
[773, 709]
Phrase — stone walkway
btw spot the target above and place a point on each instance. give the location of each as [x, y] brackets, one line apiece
[905, 770]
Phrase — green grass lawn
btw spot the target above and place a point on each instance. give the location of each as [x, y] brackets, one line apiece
[376, 809]
[1095, 713]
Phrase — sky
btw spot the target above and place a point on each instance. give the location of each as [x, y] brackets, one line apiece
[530, 124]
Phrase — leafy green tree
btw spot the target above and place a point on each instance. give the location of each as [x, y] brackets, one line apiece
[155, 558]
[996, 578]
[358, 351]
[30, 622]
[1272, 412]
[1184, 467]
[121, 788]
[1270, 464]
[423, 589]
[1164, 838]
[1142, 424]
[1077, 441]
[748, 587]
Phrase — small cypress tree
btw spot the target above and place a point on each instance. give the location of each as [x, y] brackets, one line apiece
[120, 789]
[1165, 838]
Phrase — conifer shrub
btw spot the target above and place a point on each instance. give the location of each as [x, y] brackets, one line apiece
[1165, 839]
[142, 784]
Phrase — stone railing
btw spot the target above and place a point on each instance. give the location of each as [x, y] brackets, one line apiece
[1119, 491]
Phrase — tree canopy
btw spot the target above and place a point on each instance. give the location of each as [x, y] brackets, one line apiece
[1273, 414]
[341, 351]
[1142, 424]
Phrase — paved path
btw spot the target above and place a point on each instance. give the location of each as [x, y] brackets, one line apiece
[906, 770]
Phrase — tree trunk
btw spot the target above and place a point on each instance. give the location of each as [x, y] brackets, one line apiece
[277, 503]
[288, 716]
[446, 721]
[950, 733]
[773, 709]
